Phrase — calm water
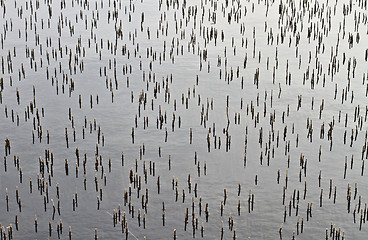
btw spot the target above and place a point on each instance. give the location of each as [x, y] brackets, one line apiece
[121, 54]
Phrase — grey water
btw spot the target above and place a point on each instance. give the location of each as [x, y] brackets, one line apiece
[257, 76]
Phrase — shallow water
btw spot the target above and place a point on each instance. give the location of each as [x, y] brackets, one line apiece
[177, 74]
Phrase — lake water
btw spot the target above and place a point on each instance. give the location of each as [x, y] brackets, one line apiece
[261, 77]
